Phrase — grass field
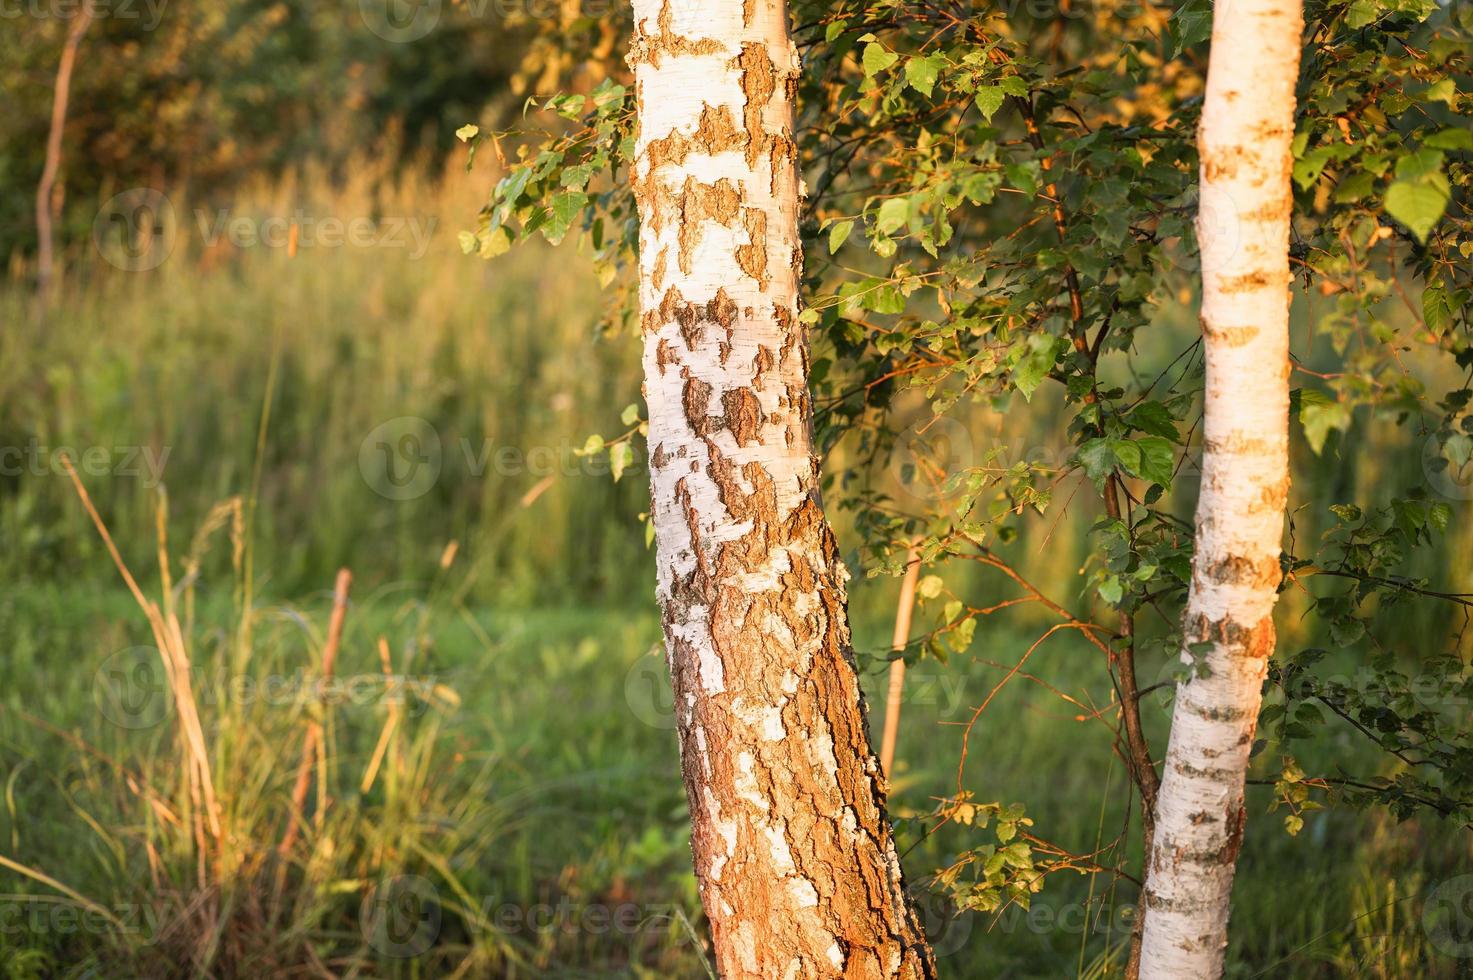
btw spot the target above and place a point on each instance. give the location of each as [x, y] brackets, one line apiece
[497, 790]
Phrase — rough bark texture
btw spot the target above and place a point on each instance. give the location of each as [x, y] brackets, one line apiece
[793, 850]
[1247, 124]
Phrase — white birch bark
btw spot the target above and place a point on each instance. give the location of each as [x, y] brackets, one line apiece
[793, 850]
[1247, 124]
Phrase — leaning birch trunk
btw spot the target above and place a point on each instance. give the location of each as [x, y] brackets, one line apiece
[1247, 123]
[793, 849]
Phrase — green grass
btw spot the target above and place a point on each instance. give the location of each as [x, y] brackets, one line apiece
[548, 785]
[531, 769]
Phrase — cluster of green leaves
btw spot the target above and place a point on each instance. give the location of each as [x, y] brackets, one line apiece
[1418, 719]
[1381, 173]
[567, 181]
[1002, 872]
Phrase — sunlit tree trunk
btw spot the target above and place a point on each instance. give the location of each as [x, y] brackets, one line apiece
[793, 849]
[46, 187]
[1247, 123]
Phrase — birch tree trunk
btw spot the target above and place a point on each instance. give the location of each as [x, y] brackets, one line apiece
[793, 849]
[1247, 124]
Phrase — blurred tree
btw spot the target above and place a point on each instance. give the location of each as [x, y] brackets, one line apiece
[200, 96]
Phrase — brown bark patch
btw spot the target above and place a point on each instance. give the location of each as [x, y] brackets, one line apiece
[1255, 642]
[743, 415]
[759, 82]
[751, 258]
[696, 398]
[699, 203]
[648, 48]
[716, 132]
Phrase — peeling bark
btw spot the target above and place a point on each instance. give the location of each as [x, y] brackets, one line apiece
[793, 849]
[1247, 124]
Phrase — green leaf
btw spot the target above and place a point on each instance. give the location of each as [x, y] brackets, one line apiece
[877, 59]
[1450, 139]
[620, 457]
[929, 587]
[565, 209]
[1158, 460]
[838, 232]
[1152, 418]
[630, 415]
[1457, 449]
[1418, 204]
[1320, 416]
[893, 215]
[1128, 455]
[1097, 458]
[467, 132]
[921, 73]
[1355, 187]
[1035, 364]
[497, 241]
[1436, 310]
[989, 99]
[1190, 24]
[1361, 13]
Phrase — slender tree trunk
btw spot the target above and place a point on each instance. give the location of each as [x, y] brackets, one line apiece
[45, 249]
[793, 849]
[1247, 123]
[904, 606]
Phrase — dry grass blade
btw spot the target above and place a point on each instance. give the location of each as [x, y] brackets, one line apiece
[314, 727]
[176, 667]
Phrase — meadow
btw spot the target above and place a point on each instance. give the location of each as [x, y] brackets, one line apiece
[496, 787]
